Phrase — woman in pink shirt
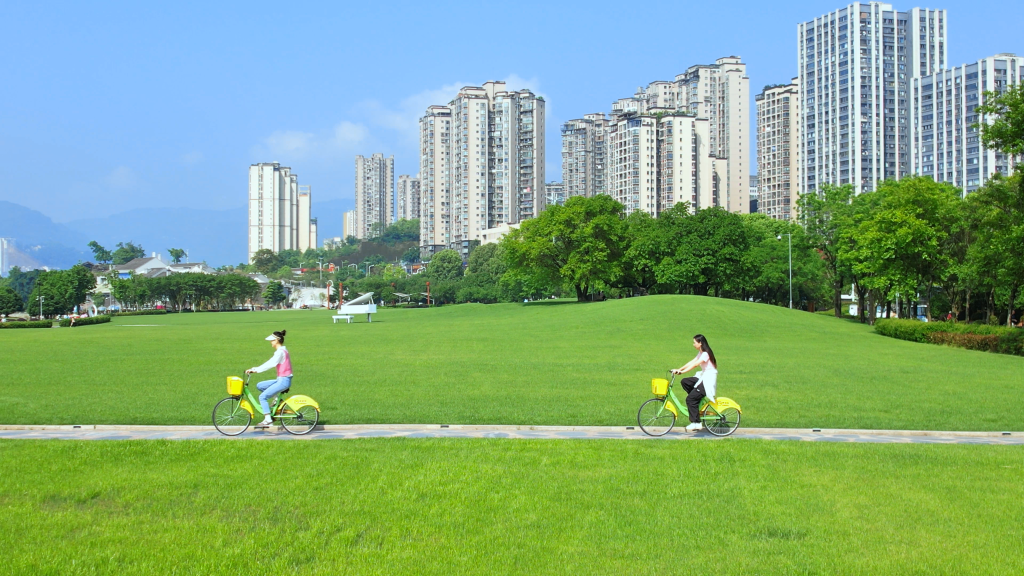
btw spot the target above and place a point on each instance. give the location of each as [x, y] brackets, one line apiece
[268, 388]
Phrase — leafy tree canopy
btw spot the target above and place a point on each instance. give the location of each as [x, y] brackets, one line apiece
[126, 252]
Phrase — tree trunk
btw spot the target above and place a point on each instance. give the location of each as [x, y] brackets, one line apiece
[581, 293]
[1009, 308]
[928, 309]
[888, 308]
[837, 297]
[967, 307]
[871, 307]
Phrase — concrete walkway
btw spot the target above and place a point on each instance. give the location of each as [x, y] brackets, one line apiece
[101, 432]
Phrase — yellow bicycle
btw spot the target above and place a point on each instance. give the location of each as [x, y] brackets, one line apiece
[658, 415]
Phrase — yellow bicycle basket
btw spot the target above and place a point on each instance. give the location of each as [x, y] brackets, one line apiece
[659, 387]
[234, 386]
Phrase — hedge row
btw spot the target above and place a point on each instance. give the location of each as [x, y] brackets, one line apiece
[140, 313]
[970, 336]
[66, 323]
[33, 324]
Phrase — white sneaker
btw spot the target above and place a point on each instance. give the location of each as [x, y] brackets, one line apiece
[266, 422]
[694, 427]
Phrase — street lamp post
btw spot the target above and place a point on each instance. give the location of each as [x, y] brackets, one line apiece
[779, 237]
[41, 298]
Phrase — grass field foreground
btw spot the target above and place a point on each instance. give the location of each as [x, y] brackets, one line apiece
[560, 364]
[404, 506]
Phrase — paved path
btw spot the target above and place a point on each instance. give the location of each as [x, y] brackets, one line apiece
[497, 431]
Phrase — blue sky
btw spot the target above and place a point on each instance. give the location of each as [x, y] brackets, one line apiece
[112, 106]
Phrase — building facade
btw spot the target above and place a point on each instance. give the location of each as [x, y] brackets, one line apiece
[307, 224]
[485, 169]
[945, 145]
[348, 224]
[778, 112]
[375, 195]
[276, 221]
[585, 155]
[554, 194]
[435, 180]
[408, 197]
[855, 69]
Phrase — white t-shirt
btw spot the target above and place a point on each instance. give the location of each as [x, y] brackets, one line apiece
[706, 366]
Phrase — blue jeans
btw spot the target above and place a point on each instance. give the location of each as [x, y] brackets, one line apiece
[270, 387]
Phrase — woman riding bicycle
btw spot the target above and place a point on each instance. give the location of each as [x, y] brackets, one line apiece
[703, 384]
[268, 388]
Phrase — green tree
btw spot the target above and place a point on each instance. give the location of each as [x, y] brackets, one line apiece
[274, 294]
[62, 290]
[265, 261]
[644, 250]
[1000, 245]
[100, 253]
[134, 291]
[22, 282]
[412, 255]
[1002, 120]
[176, 254]
[444, 266]
[10, 301]
[704, 251]
[579, 244]
[823, 216]
[402, 231]
[126, 252]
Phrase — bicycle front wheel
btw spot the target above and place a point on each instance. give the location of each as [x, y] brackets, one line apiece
[301, 421]
[229, 418]
[654, 418]
[721, 423]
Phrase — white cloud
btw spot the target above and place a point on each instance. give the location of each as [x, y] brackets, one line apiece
[122, 177]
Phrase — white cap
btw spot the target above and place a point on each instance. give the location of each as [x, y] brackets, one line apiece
[270, 338]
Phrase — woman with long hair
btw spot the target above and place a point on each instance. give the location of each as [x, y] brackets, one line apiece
[268, 388]
[703, 384]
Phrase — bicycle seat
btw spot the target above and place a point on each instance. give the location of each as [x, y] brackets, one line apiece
[285, 391]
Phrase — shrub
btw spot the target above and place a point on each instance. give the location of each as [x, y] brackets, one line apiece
[140, 313]
[1011, 342]
[66, 323]
[912, 330]
[982, 342]
[34, 324]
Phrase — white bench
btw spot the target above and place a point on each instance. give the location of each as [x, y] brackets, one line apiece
[346, 317]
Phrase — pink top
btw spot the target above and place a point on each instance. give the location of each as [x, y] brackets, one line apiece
[285, 367]
[705, 363]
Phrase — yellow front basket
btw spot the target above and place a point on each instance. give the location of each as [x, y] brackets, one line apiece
[659, 386]
[234, 386]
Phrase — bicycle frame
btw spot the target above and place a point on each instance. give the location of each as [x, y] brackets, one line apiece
[706, 409]
[251, 404]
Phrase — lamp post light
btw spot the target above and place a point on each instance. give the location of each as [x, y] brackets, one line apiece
[779, 237]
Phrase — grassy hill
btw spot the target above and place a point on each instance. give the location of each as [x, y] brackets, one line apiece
[543, 363]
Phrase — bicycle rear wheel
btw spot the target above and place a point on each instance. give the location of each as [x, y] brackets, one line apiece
[229, 418]
[654, 418]
[301, 421]
[720, 423]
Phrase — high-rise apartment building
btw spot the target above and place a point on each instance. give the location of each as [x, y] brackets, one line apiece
[714, 98]
[348, 224]
[585, 155]
[657, 160]
[408, 202]
[435, 179]
[375, 195]
[5, 265]
[279, 217]
[307, 224]
[554, 194]
[855, 69]
[778, 113]
[945, 145]
[485, 169]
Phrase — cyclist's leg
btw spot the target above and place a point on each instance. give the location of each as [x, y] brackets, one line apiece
[688, 383]
[269, 388]
[693, 402]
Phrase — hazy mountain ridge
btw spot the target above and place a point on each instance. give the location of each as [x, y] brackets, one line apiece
[217, 237]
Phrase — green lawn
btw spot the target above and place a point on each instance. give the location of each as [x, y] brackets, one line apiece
[403, 506]
[511, 364]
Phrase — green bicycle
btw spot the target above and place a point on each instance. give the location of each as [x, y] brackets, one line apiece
[658, 415]
[232, 415]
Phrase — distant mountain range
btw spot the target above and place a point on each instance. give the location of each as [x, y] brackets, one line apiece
[217, 237]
